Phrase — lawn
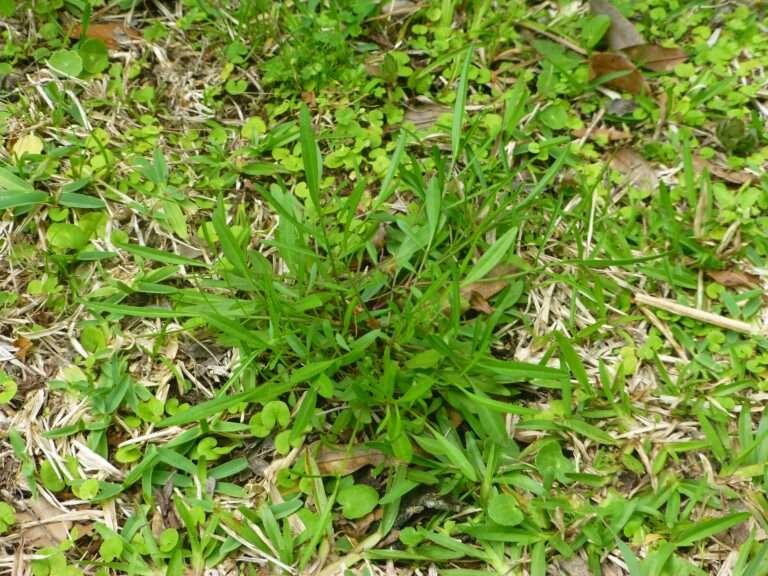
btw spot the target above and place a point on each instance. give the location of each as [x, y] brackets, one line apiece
[383, 288]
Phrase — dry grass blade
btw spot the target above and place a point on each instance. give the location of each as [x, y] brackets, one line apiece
[655, 57]
[604, 63]
[622, 32]
[700, 315]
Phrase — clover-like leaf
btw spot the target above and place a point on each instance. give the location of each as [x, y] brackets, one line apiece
[357, 500]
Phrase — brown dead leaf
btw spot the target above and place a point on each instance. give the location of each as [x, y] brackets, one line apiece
[343, 460]
[23, 346]
[638, 172]
[610, 134]
[739, 178]
[113, 34]
[309, 98]
[655, 57]
[359, 528]
[34, 524]
[604, 63]
[478, 293]
[734, 278]
[575, 566]
[622, 32]
[425, 115]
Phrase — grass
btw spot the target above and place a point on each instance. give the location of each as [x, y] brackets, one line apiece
[350, 288]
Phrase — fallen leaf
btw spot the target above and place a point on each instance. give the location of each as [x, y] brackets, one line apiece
[575, 566]
[33, 523]
[655, 57]
[620, 107]
[638, 172]
[113, 34]
[309, 98]
[23, 346]
[425, 115]
[739, 178]
[478, 293]
[399, 8]
[604, 63]
[734, 278]
[622, 32]
[343, 460]
[610, 134]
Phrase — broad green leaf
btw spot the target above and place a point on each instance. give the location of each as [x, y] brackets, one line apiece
[357, 500]
[67, 62]
[77, 200]
[504, 509]
[94, 55]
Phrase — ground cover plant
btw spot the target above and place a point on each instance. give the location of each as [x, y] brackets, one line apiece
[358, 287]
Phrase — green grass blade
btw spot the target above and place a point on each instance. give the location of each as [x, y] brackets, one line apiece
[458, 107]
[310, 155]
[156, 255]
[706, 528]
[492, 257]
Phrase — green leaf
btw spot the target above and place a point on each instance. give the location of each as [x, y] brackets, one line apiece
[554, 117]
[168, 539]
[492, 257]
[357, 500]
[688, 534]
[7, 514]
[22, 200]
[8, 388]
[66, 62]
[7, 8]
[77, 200]
[310, 155]
[65, 236]
[594, 28]
[456, 456]
[156, 255]
[86, 489]
[111, 548]
[424, 360]
[12, 184]
[551, 463]
[574, 364]
[503, 509]
[50, 479]
[458, 107]
[94, 55]
[592, 432]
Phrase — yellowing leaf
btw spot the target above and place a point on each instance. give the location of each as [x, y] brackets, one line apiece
[29, 144]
